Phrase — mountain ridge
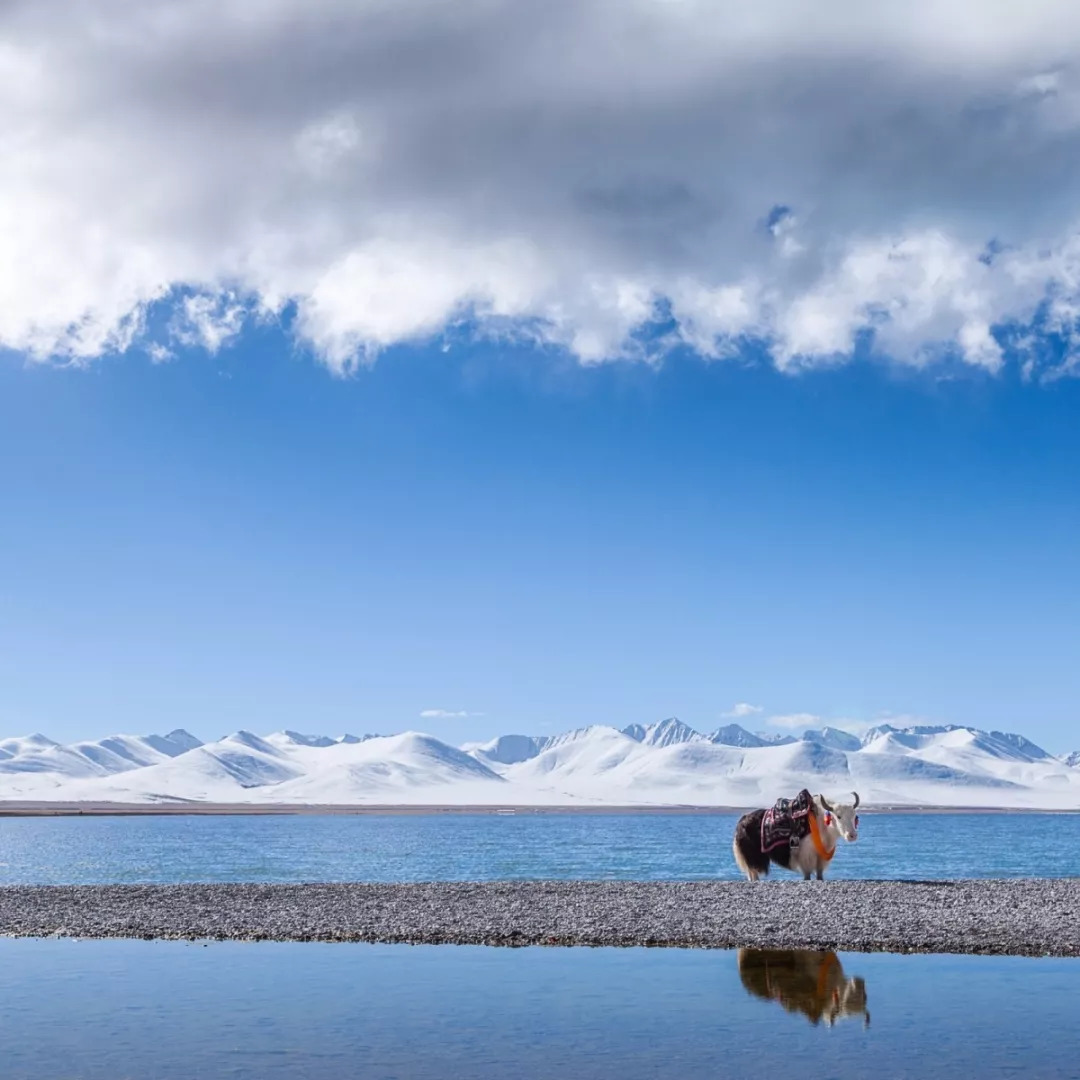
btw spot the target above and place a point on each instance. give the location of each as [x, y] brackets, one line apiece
[663, 763]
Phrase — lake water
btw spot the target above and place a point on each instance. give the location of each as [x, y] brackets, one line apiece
[169, 1011]
[456, 847]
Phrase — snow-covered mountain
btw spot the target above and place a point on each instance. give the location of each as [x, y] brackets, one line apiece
[666, 733]
[659, 764]
[737, 735]
[38, 755]
[507, 749]
[834, 738]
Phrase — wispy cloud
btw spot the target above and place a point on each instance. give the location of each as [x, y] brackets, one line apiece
[742, 711]
[618, 146]
[796, 720]
[447, 714]
[853, 727]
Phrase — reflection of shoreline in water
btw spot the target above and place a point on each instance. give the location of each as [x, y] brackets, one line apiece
[805, 981]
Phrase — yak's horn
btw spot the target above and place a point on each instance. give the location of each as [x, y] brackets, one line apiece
[824, 802]
[856, 806]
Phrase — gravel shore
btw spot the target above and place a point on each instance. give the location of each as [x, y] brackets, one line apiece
[1027, 917]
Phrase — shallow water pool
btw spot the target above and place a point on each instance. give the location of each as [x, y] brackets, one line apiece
[107, 1010]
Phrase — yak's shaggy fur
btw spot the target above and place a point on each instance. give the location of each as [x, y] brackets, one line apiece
[833, 822]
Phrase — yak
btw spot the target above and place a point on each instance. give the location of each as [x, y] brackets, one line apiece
[800, 834]
[810, 982]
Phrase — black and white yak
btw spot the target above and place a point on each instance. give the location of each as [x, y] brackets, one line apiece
[756, 846]
[812, 983]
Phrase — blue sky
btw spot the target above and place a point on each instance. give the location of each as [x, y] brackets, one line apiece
[584, 361]
[246, 541]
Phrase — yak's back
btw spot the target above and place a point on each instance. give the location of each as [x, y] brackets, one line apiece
[786, 822]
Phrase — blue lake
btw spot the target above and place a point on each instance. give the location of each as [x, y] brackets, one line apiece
[455, 847]
[109, 1010]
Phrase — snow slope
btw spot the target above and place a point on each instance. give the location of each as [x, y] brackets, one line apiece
[668, 732]
[406, 768]
[736, 735]
[665, 763]
[506, 749]
[36, 761]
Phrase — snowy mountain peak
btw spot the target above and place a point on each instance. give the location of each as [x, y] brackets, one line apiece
[775, 738]
[833, 738]
[506, 749]
[22, 744]
[1021, 745]
[736, 735]
[252, 741]
[956, 738]
[297, 739]
[182, 739]
[664, 763]
[666, 733]
[921, 731]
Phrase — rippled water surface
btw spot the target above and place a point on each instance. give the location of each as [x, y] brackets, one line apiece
[108, 1010]
[456, 847]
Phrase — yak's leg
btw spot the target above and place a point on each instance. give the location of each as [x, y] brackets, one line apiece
[820, 874]
[802, 861]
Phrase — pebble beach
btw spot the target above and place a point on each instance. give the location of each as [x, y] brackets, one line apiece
[1031, 917]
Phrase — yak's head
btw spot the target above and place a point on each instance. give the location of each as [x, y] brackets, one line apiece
[843, 817]
[848, 999]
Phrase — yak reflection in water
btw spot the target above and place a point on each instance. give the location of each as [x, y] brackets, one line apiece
[812, 983]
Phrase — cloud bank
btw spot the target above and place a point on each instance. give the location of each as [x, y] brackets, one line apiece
[612, 177]
[742, 710]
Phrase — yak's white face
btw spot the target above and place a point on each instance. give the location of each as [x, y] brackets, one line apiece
[849, 1000]
[842, 817]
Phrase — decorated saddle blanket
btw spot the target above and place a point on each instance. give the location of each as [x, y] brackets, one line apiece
[787, 822]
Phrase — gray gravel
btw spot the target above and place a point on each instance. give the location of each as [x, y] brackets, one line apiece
[1027, 917]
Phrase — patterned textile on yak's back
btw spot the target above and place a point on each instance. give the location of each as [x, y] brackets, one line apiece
[787, 822]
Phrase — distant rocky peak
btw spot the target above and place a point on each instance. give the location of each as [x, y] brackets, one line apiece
[667, 732]
[308, 740]
[183, 739]
[1021, 745]
[834, 738]
[775, 738]
[736, 735]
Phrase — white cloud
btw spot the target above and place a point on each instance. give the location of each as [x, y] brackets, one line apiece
[209, 321]
[853, 727]
[447, 714]
[742, 710]
[796, 720]
[568, 172]
[159, 354]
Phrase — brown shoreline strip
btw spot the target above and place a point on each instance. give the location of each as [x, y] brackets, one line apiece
[1030, 917]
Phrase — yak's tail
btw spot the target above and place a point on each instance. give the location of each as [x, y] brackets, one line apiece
[740, 861]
